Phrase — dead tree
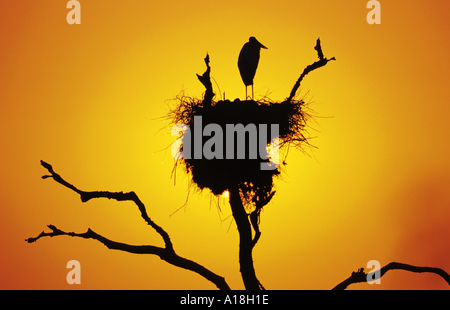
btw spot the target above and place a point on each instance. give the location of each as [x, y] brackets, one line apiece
[250, 188]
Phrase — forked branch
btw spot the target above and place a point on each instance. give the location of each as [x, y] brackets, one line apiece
[119, 196]
[167, 253]
[320, 63]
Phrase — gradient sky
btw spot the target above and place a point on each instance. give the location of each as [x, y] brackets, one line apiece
[89, 98]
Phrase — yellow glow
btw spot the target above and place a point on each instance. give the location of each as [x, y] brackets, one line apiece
[273, 151]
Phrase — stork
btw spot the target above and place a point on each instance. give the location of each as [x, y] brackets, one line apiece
[248, 62]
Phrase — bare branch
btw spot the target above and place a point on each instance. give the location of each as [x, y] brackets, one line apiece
[167, 253]
[320, 63]
[119, 196]
[361, 276]
[205, 79]
[163, 253]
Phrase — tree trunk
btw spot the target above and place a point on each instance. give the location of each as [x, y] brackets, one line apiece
[245, 241]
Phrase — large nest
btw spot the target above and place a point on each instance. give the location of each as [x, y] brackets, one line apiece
[255, 184]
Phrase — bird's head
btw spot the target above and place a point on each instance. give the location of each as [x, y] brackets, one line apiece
[253, 40]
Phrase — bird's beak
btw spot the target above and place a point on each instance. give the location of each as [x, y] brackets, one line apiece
[260, 44]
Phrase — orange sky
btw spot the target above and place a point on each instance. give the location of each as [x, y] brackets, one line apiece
[87, 99]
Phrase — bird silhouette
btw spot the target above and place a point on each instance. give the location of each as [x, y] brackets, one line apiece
[248, 62]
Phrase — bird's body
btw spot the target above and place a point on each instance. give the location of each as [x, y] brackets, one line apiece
[248, 62]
